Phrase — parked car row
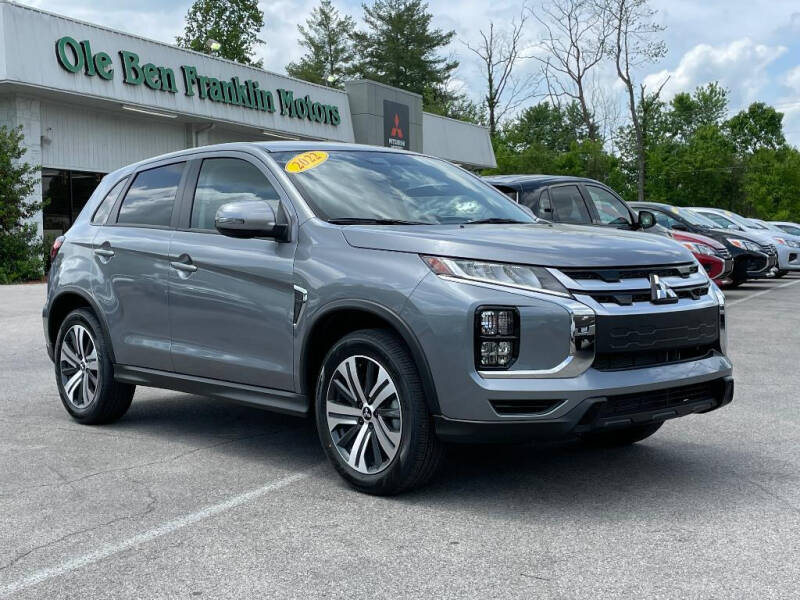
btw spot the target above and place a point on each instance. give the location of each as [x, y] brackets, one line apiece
[731, 248]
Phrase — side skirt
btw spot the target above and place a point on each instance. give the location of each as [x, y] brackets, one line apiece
[267, 398]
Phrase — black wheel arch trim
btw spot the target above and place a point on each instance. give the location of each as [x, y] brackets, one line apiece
[379, 310]
[72, 290]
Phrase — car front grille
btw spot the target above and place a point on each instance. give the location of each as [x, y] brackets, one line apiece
[638, 359]
[657, 400]
[657, 331]
[626, 298]
[623, 273]
[723, 253]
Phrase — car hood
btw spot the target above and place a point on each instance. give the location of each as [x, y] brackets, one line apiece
[535, 244]
[685, 236]
[749, 235]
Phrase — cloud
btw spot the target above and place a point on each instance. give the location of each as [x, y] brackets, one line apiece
[740, 66]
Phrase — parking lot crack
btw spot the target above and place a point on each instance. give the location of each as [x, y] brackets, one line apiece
[160, 461]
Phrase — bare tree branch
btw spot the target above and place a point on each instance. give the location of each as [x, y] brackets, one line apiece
[574, 43]
[499, 54]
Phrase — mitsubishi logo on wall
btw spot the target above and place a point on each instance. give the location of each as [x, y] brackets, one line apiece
[395, 125]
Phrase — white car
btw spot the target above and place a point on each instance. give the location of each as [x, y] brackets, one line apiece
[788, 246]
[788, 227]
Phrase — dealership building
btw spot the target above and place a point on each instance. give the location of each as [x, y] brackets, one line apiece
[90, 100]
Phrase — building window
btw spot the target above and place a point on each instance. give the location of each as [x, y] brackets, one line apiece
[65, 193]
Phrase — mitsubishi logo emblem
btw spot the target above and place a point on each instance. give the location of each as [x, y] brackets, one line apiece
[396, 130]
[660, 292]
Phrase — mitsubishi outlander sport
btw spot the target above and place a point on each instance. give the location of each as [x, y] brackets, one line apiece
[399, 300]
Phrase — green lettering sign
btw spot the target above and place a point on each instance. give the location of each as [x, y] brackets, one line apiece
[74, 56]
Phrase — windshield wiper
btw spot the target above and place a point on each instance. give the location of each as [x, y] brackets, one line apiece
[370, 221]
[495, 220]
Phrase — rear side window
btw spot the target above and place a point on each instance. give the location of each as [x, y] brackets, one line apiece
[568, 205]
[224, 180]
[150, 198]
[610, 209]
[101, 214]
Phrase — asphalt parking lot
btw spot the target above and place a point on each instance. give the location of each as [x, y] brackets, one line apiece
[187, 497]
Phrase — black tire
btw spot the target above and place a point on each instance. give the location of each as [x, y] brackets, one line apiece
[781, 273]
[419, 452]
[622, 436]
[110, 399]
[735, 283]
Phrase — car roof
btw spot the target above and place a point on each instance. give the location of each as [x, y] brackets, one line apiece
[536, 181]
[282, 146]
[652, 205]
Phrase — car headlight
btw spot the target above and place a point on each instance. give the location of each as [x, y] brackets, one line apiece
[699, 248]
[524, 277]
[745, 245]
[792, 244]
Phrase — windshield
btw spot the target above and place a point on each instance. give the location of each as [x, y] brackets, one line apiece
[755, 224]
[790, 229]
[721, 221]
[696, 218]
[349, 187]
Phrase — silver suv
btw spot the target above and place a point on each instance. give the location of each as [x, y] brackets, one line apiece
[397, 298]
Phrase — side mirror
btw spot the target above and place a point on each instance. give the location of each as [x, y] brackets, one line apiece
[680, 227]
[646, 219]
[249, 219]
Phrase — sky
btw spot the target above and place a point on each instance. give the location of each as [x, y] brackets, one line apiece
[752, 48]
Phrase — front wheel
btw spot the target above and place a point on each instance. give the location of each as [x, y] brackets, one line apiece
[372, 417]
[623, 436]
[781, 273]
[85, 373]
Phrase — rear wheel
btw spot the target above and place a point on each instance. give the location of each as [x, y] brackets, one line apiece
[85, 373]
[623, 436]
[372, 417]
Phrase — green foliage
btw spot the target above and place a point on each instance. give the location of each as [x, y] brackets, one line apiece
[552, 140]
[401, 48]
[441, 101]
[235, 24]
[759, 127]
[329, 52]
[20, 248]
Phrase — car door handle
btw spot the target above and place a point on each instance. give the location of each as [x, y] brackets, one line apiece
[184, 267]
[104, 252]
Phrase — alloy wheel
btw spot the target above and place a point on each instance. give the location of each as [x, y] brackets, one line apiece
[364, 414]
[79, 367]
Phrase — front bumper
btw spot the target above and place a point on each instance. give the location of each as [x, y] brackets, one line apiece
[788, 258]
[595, 413]
[564, 364]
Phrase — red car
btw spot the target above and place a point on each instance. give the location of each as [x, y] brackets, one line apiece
[712, 255]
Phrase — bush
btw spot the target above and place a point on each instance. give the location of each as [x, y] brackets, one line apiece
[21, 254]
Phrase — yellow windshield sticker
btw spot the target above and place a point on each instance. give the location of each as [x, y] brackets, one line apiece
[674, 209]
[305, 161]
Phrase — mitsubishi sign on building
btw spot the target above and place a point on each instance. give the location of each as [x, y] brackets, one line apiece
[91, 99]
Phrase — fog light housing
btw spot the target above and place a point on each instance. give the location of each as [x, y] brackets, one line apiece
[496, 337]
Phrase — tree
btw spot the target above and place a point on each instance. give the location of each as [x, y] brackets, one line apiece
[454, 104]
[19, 246]
[499, 54]
[631, 45]
[400, 48]
[759, 127]
[234, 24]
[329, 50]
[707, 106]
[576, 33]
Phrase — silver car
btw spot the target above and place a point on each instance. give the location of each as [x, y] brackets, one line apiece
[397, 299]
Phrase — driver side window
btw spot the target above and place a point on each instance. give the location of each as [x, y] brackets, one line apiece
[610, 209]
[224, 180]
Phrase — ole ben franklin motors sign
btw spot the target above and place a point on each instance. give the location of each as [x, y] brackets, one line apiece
[77, 57]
